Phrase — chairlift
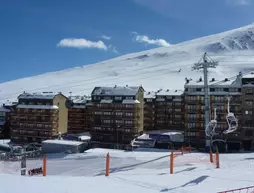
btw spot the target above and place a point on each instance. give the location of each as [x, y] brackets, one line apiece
[231, 120]
[210, 128]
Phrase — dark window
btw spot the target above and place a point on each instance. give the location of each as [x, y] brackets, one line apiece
[212, 89]
[225, 89]
[199, 89]
[248, 133]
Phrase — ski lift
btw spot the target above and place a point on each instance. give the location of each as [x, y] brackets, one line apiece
[231, 120]
[210, 128]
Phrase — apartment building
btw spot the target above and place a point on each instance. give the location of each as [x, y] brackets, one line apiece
[4, 122]
[117, 115]
[169, 110]
[247, 98]
[38, 116]
[219, 90]
[79, 114]
[149, 111]
[164, 110]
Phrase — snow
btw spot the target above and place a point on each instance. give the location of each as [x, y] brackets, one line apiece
[142, 171]
[41, 95]
[37, 106]
[63, 142]
[79, 106]
[107, 101]
[129, 101]
[3, 109]
[153, 69]
[84, 138]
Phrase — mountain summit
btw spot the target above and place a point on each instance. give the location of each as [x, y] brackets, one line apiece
[160, 68]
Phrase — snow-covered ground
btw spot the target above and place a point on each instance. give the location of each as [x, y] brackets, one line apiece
[154, 69]
[139, 171]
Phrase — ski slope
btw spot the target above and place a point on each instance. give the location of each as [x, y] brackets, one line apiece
[143, 171]
[153, 69]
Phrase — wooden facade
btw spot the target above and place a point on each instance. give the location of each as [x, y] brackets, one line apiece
[4, 122]
[117, 115]
[195, 110]
[38, 117]
[79, 114]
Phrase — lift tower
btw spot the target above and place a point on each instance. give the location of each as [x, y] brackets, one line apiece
[205, 63]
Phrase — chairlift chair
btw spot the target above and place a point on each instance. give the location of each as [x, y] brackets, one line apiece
[231, 120]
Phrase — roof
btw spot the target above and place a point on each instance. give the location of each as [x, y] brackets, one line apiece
[149, 95]
[117, 91]
[63, 142]
[129, 101]
[232, 82]
[37, 107]
[250, 75]
[169, 92]
[80, 99]
[40, 95]
[4, 109]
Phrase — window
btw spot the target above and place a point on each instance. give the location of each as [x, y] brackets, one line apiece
[118, 98]
[106, 121]
[250, 103]
[119, 122]
[249, 91]
[127, 130]
[97, 113]
[248, 112]
[129, 114]
[249, 133]
[128, 106]
[107, 113]
[128, 122]
[119, 113]
[129, 98]
[178, 116]
[191, 98]
[2, 114]
[149, 100]
[219, 98]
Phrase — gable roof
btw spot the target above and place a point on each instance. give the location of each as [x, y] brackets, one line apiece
[117, 91]
[40, 95]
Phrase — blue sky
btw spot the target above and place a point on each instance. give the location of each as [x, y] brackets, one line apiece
[41, 36]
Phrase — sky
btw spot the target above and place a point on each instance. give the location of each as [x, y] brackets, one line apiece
[50, 35]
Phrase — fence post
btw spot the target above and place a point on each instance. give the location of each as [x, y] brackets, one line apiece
[171, 162]
[107, 164]
[217, 160]
[44, 171]
[182, 150]
[211, 156]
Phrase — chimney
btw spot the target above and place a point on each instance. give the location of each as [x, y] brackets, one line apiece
[115, 86]
[226, 79]
[175, 90]
[126, 85]
[167, 90]
[213, 79]
[200, 79]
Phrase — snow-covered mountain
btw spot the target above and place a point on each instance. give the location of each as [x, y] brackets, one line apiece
[154, 69]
